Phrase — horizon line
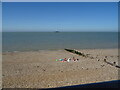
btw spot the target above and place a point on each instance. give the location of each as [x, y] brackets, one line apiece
[59, 0]
[60, 31]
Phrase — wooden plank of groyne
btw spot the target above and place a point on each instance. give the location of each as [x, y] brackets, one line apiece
[75, 52]
[112, 64]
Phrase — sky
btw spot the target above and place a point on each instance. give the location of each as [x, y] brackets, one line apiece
[59, 16]
[0, 17]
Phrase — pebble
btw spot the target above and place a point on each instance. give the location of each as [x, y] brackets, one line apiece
[44, 70]
[48, 85]
[37, 66]
[102, 65]
[87, 69]
[92, 57]
[105, 56]
[105, 60]
[114, 62]
[98, 59]
[3, 75]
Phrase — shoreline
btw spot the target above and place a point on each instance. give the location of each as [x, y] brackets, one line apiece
[57, 49]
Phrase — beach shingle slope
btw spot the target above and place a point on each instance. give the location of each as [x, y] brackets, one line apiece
[39, 69]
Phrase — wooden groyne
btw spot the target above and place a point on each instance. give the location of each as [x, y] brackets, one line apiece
[79, 53]
[76, 52]
[112, 64]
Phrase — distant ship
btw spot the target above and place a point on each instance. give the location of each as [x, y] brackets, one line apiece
[57, 31]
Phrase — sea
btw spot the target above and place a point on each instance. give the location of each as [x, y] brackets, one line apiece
[35, 41]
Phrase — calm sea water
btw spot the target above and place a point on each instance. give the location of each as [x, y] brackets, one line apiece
[30, 41]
